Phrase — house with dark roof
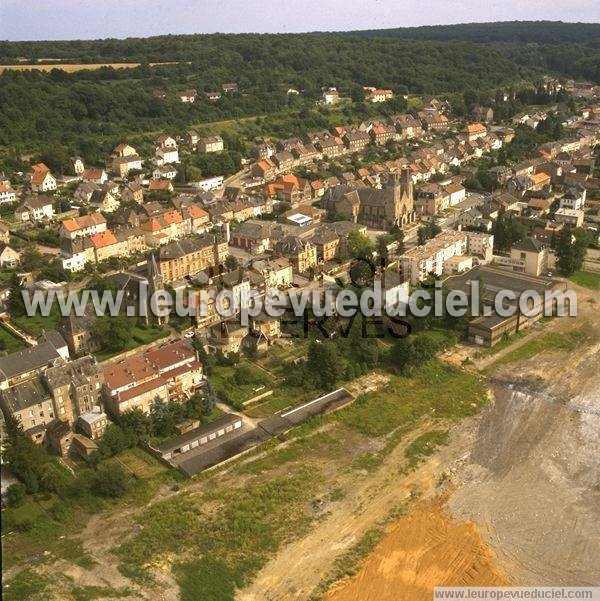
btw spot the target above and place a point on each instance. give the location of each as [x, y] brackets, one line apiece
[529, 256]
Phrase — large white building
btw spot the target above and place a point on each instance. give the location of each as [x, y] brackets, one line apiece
[417, 263]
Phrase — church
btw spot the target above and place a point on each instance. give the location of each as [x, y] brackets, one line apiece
[380, 209]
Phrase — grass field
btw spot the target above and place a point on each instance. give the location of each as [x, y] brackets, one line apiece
[238, 528]
[10, 343]
[437, 388]
[38, 324]
[71, 68]
[587, 279]
[546, 342]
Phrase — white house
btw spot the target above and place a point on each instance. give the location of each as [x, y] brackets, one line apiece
[9, 258]
[74, 262]
[456, 193]
[212, 183]
[78, 166]
[41, 179]
[95, 176]
[573, 199]
[35, 208]
[86, 225]
[164, 172]
[165, 155]
[331, 96]
[7, 194]
[165, 141]
[188, 96]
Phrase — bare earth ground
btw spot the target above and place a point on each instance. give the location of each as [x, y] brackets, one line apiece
[524, 476]
[422, 550]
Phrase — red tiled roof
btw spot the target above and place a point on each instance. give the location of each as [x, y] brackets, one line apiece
[103, 239]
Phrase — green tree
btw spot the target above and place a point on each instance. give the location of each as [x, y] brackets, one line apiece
[114, 441]
[110, 481]
[570, 252]
[360, 245]
[113, 333]
[135, 424]
[324, 364]
[16, 304]
[231, 263]
[15, 494]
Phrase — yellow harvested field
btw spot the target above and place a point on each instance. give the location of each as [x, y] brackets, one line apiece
[70, 68]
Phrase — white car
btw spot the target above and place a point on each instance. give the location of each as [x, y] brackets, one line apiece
[189, 334]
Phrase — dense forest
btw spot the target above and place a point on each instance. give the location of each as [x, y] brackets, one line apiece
[79, 109]
[569, 49]
[37, 106]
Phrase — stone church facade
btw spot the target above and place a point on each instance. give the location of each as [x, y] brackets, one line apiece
[382, 209]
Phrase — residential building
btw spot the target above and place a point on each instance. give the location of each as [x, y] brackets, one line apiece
[356, 140]
[573, 199]
[164, 172]
[160, 185]
[7, 194]
[9, 257]
[133, 192]
[331, 96]
[529, 256]
[123, 150]
[4, 233]
[456, 193]
[418, 263]
[165, 155]
[123, 164]
[570, 217]
[483, 114]
[474, 131]
[103, 200]
[40, 178]
[210, 144]
[93, 423]
[378, 95]
[264, 168]
[75, 387]
[302, 254]
[284, 160]
[170, 372]
[95, 176]
[188, 96]
[183, 258]
[253, 235]
[35, 208]
[77, 165]
[481, 244]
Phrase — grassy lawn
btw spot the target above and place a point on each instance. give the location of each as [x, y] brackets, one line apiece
[38, 324]
[233, 391]
[550, 341]
[140, 337]
[438, 389]
[587, 279]
[10, 343]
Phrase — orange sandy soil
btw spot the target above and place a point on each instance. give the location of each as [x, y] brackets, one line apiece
[422, 550]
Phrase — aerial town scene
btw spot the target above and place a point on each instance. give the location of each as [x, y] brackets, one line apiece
[299, 302]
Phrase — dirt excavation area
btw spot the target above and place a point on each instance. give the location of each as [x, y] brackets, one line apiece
[520, 499]
[422, 550]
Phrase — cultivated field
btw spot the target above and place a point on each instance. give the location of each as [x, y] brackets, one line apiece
[71, 68]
